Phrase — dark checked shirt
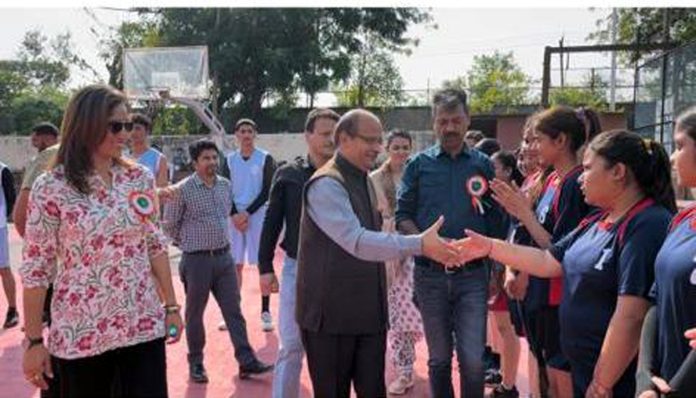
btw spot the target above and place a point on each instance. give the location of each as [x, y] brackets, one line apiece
[197, 217]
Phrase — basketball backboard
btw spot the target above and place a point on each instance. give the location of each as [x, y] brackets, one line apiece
[181, 71]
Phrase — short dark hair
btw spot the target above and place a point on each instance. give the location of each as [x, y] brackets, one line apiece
[245, 121]
[45, 128]
[197, 147]
[319, 113]
[139, 118]
[475, 135]
[397, 133]
[450, 98]
[489, 146]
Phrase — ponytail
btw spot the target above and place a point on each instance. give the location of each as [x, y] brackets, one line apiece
[579, 125]
[590, 119]
[659, 185]
[647, 160]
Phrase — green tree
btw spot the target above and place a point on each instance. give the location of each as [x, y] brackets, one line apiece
[374, 81]
[143, 33]
[591, 92]
[257, 52]
[45, 61]
[32, 107]
[494, 81]
[646, 25]
[32, 87]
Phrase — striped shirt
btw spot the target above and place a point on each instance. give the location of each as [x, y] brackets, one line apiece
[197, 218]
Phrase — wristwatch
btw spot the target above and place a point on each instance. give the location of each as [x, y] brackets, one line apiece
[33, 342]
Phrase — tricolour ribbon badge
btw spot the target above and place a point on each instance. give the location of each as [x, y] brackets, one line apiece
[143, 204]
[477, 186]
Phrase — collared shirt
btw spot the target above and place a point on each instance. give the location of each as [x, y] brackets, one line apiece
[435, 184]
[96, 250]
[197, 218]
[329, 207]
[284, 207]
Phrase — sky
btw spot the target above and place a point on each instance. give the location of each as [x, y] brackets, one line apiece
[444, 53]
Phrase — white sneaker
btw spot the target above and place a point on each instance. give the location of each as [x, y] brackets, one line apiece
[222, 326]
[266, 321]
[400, 385]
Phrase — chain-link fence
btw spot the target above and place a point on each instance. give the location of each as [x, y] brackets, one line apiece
[665, 86]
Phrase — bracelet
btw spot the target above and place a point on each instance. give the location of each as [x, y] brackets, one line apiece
[34, 342]
[172, 309]
[600, 387]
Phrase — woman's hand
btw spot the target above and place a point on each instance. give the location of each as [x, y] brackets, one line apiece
[171, 321]
[596, 390]
[661, 384]
[473, 247]
[691, 335]
[516, 284]
[36, 365]
[512, 199]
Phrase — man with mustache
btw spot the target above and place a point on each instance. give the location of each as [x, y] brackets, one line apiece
[452, 180]
[341, 283]
[197, 221]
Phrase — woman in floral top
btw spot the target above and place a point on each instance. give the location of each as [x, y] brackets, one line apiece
[91, 230]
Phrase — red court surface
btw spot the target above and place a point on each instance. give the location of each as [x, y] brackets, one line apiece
[219, 359]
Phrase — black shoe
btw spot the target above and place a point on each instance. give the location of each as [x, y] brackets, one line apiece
[255, 368]
[502, 392]
[11, 319]
[493, 378]
[198, 374]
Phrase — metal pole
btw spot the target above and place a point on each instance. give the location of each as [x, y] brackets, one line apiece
[665, 21]
[546, 77]
[612, 81]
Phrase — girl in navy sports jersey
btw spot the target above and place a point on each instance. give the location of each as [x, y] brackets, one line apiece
[675, 283]
[561, 133]
[606, 262]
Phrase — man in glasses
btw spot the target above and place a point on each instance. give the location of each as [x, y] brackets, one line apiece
[341, 283]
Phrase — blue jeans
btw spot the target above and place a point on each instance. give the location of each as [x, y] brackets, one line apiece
[286, 378]
[453, 304]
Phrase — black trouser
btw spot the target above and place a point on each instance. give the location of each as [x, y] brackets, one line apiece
[140, 370]
[335, 361]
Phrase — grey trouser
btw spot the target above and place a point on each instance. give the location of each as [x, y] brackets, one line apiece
[202, 274]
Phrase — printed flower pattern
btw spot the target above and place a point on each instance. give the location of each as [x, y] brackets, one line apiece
[96, 250]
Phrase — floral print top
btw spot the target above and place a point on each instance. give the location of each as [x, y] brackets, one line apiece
[96, 250]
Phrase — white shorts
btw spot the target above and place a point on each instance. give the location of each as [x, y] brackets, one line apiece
[4, 248]
[245, 246]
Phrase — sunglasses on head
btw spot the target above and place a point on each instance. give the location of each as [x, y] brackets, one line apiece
[117, 127]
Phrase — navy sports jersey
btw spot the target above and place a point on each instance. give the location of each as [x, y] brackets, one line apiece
[602, 261]
[675, 282]
[560, 208]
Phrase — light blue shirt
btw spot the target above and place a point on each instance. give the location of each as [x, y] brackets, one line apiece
[329, 207]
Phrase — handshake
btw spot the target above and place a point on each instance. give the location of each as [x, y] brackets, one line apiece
[453, 253]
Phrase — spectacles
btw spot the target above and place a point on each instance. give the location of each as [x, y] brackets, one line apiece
[371, 140]
[117, 127]
[400, 147]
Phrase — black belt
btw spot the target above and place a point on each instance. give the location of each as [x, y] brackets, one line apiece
[211, 252]
[451, 270]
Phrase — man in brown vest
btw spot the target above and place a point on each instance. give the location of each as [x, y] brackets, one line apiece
[341, 292]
